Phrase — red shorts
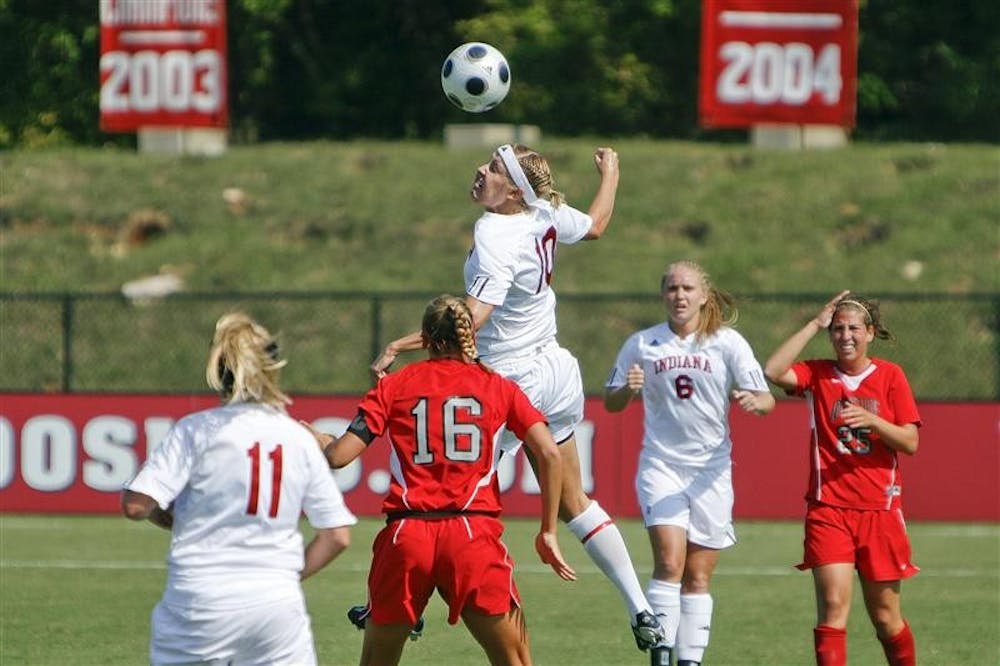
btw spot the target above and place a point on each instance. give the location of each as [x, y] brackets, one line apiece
[874, 541]
[462, 557]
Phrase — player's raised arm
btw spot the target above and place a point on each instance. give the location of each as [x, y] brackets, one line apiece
[409, 342]
[778, 366]
[603, 205]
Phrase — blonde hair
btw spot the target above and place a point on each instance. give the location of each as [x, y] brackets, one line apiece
[536, 169]
[447, 328]
[870, 314]
[720, 307]
[243, 363]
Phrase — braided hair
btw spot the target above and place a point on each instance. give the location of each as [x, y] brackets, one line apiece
[448, 329]
[243, 363]
[536, 169]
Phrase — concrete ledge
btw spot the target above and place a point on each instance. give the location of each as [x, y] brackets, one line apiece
[208, 141]
[797, 137]
[469, 135]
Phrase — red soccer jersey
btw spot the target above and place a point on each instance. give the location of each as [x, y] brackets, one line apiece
[442, 417]
[852, 467]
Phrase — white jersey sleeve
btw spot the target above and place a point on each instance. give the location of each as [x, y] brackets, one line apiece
[628, 356]
[489, 270]
[571, 224]
[168, 467]
[744, 369]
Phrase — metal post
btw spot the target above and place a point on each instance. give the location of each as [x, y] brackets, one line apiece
[376, 327]
[67, 350]
[996, 329]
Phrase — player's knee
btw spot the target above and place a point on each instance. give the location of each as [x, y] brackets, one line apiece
[669, 569]
[833, 610]
[886, 621]
[695, 582]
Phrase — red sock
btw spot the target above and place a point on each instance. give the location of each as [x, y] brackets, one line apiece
[831, 645]
[901, 650]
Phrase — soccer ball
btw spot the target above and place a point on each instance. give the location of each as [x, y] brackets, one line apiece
[475, 77]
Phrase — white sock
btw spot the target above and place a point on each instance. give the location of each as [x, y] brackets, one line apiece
[695, 626]
[606, 547]
[665, 598]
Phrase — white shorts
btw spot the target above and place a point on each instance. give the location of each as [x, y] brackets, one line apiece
[277, 632]
[551, 380]
[698, 499]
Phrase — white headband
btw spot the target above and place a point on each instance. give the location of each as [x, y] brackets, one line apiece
[506, 153]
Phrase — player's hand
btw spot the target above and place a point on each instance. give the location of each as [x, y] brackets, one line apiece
[635, 379]
[161, 518]
[825, 315]
[547, 547]
[748, 401]
[380, 366]
[855, 416]
[606, 161]
[324, 439]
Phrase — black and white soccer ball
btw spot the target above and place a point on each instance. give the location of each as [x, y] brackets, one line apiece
[475, 77]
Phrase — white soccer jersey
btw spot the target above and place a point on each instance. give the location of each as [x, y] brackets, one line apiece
[685, 396]
[239, 477]
[510, 267]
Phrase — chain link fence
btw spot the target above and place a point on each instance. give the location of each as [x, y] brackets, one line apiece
[947, 344]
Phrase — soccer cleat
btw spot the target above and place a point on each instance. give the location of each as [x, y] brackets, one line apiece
[358, 615]
[418, 629]
[688, 662]
[647, 631]
[660, 656]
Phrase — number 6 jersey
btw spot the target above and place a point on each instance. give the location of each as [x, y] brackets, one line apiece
[852, 468]
[685, 396]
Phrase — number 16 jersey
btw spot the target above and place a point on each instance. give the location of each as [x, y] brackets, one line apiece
[441, 417]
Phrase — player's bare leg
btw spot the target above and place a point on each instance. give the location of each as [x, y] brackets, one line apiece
[604, 544]
[503, 637]
[834, 585]
[883, 606]
[383, 644]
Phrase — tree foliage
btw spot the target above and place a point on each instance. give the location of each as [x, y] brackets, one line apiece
[928, 69]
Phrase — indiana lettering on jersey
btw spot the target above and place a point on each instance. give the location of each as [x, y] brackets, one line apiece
[682, 362]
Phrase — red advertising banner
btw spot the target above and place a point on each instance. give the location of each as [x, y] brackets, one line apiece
[778, 61]
[163, 64]
[72, 453]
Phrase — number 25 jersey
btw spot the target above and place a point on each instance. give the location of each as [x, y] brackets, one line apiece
[853, 468]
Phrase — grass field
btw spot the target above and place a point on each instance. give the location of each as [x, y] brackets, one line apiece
[354, 215]
[366, 217]
[79, 589]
